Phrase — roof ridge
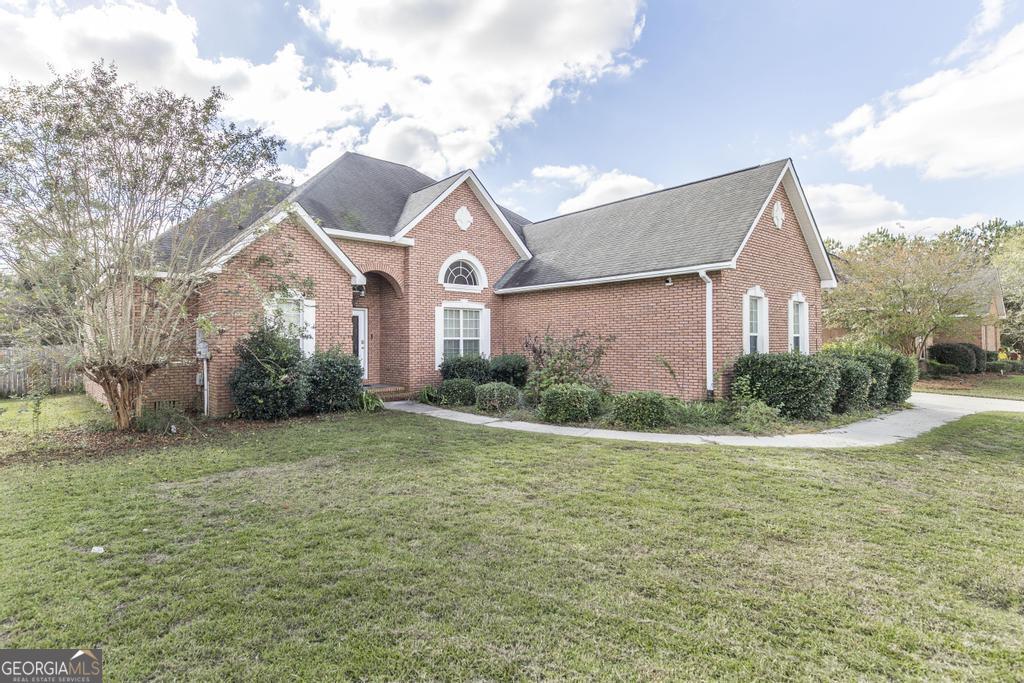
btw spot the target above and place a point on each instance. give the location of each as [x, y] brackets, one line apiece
[388, 161]
[664, 189]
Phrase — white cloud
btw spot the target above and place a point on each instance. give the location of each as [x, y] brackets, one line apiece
[955, 123]
[988, 19]
[424, 83]
[846, 211]
[577, 175]
[607, 187]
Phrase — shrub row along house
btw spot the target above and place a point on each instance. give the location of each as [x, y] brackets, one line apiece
[403, 270]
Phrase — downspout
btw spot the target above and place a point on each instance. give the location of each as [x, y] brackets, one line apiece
[709, 336]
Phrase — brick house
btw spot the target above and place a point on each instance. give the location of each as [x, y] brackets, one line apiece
[401, 270]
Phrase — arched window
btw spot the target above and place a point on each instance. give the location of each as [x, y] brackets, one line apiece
[799, 328]
[755, 321]
[461, 273]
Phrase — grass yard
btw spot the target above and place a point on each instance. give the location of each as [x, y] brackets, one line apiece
[395, 546]
[985, 385]
[71, 411]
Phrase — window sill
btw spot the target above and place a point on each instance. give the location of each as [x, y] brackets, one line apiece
[463, 288]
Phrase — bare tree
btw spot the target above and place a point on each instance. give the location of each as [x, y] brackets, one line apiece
[104, 190]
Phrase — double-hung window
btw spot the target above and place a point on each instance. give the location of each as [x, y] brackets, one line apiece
[798, 327]
[461, 332]
[754, 327]
[798, 314]
[295, 317]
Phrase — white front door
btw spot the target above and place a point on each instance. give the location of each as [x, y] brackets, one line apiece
[359, 340]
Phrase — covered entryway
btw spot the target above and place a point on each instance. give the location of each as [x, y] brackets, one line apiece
[380, 331]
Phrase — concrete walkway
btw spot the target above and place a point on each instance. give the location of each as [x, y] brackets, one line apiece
[928, 412]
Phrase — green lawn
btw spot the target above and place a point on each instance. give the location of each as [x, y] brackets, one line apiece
[395, 546]
[987, 385]
[69, 411]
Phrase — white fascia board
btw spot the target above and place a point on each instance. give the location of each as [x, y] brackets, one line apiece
[327, 243]
[365, 237]
[618, 278]
[488, 203]
[804, 216]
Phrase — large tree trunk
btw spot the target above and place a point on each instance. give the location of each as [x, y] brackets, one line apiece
[123, 389]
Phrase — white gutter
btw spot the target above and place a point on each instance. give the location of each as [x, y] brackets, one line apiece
[709, 334]
[617, 278]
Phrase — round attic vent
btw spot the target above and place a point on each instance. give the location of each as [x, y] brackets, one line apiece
[777, 215]
[463, 218]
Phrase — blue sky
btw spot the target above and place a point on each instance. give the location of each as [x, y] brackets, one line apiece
[906, 113]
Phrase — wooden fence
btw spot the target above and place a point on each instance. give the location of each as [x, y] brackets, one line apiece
[58, 361]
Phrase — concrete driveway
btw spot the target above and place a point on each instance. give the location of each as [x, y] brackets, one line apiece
[928, 412]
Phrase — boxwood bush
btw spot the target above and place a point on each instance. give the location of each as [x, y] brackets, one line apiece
[937, 369]
[499, 397]
[641, 410]
[954, 354]
[269, 382]
[980, 357]
[475, 368]
[801, 387]
[880, 364]
[854, 384]
[460, 391]
[569, 403]
[511, 368]
[901, 378]
[335, 381]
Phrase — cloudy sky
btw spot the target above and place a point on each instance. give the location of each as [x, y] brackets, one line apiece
[903, 113]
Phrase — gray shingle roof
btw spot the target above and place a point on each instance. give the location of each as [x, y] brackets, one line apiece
[224, 220]
[699, 223]
[421, 199]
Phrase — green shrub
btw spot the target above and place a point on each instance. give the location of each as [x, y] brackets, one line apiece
[801, 387]
[1016, 365]
[475, 368]
[937, 369]
[269, 382]
[641, 410]
[756, 416]
[697, 413]
[854, 384]
[901, 378]
[511, 368]
[460, 391]
[569, 403]
[429, 395]
[335, 381]
[991, 356]
[370, 402]
[497, 397]
[960, 355]
[163, 420]
[575, 359]
[1000, 366]
[980, 357]
[879, 363]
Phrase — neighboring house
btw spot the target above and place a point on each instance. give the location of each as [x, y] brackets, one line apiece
[991, 309]
[403, 270]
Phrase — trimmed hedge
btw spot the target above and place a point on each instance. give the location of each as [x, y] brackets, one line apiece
[335, 381]
[959, 355]
[980, 357]
[880, 364]
[801, 387]
[269, 381]
[569, 403]
[511, 368]
[991, 356]
[1000, 366]
[938, 369]
[498, 397]
[854, 385]
[901, 378]
[460, 391]
[641, 410]
[475, 368]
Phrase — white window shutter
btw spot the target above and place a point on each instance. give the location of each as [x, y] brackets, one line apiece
[438, 336]
[485, 333]
[763, 327]
[309, 323]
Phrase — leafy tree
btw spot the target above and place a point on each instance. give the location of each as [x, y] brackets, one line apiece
[984, 238]
[1009, 260]
[92, 172]
[900, 290]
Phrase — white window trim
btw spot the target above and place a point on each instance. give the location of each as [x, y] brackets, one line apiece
[481, 274]
[485, 328]
[804, 324]
[307, 342]
[762, 320]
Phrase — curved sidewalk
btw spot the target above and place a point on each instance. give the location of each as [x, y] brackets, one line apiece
[928, 412]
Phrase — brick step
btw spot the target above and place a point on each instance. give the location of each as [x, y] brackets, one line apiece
[389, 392]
